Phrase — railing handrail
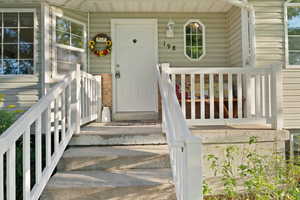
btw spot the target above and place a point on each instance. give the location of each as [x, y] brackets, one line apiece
[15, 130]
[56, 106]
[193, 70]
[185, 148]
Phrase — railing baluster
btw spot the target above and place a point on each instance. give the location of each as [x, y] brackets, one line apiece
[174, 81]
[240, 95]
[183, 97]
[221, 96]
[257, 95]
[211, 96]
[26, 164]
[63, 115]
[48, 135]
[263, 95]
[11, 173]
[230, 96]
[69, 108]
[38, 150]
[56, 125]
[249, 94]
[1, 177]
[202, 92]
[193, 106]
[267, 96]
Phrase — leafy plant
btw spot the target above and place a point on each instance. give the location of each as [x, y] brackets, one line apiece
[261, 177]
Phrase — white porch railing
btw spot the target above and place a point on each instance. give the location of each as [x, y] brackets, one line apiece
[222, 96]
[90, 97]
[185, 149]
[62, 105]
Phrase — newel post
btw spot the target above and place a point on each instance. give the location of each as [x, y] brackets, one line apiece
[164, 69]
[277, 109]
[77, 100]
[99, 98]
[193, 169]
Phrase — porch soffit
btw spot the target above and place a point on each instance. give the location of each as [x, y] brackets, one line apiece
[139, 5]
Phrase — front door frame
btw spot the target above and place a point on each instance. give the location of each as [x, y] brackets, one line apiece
[115, 22]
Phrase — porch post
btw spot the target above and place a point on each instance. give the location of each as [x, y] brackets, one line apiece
[77, 100]
[99, 98]
[277, 118]
[164, 68]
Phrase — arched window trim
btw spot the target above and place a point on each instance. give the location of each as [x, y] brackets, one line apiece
[203, 40]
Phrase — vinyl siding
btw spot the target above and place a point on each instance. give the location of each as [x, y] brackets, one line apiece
[23, 90]
[235, 37]
[217, 46]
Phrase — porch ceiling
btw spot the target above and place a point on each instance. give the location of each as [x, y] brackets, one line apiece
[144, 5]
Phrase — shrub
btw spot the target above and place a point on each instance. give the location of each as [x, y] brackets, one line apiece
[262, 177]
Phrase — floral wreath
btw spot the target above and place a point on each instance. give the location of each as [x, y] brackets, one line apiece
[100, 39]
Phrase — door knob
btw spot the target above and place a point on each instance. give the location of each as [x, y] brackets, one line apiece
[118, 74]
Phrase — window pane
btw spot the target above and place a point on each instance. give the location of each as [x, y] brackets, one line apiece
[76, 57]
[188, 51]
[62, 24]
[1, 67]
[294, 20]
[200, 40]
[64, 68]
[77, 29]
[26, 35]
[10, 35]
[10, 19]
[195, 52]
[26, 51]
[25, 67]
[63, 54]
[188, 40]
[10, 51]
[188, 29]
[26, 19]
[10, 66]
[63, 38]
[77, 42]
[294, 58]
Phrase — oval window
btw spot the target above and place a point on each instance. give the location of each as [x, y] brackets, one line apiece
[194, 47]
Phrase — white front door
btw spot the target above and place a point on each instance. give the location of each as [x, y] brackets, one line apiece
[134, 60]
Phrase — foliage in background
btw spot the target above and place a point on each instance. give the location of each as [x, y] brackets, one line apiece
[7, 116]
[260, 177]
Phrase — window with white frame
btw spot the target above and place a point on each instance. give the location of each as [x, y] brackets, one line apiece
[70, 44]
[16, 43]
[194, 40]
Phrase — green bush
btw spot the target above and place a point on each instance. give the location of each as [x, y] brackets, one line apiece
[269, 177]
[7, 118]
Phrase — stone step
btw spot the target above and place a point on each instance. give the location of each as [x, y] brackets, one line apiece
[151, 184]
[98, 135]
[116, 157]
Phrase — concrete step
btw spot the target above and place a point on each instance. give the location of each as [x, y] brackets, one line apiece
[116, 157]
[151, 184]
[119, 134]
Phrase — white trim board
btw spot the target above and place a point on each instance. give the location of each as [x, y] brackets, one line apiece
[115, 22]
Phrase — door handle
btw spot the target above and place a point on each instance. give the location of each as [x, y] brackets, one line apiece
[117, 75]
